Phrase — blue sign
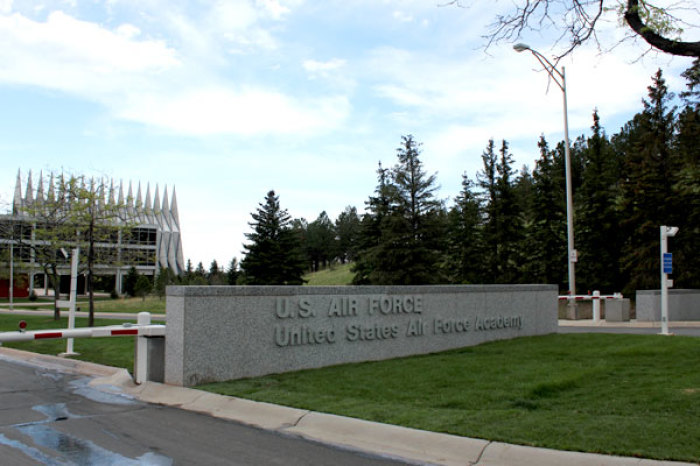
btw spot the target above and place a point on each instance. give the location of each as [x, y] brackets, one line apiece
[668, 263]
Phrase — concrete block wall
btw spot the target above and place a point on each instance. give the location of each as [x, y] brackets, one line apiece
[682, 305]
[229, 332]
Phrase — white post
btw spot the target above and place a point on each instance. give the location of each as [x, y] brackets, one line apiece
[12, 270]
[596, 306]
[73, 297]
[666, 269]
[141, 360]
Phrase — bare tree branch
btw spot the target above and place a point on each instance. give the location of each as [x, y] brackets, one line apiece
[634, 20]
[577, 21]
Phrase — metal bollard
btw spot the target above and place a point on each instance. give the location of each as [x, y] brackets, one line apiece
[596, 306]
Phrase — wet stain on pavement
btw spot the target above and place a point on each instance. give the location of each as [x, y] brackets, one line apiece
[67, 449]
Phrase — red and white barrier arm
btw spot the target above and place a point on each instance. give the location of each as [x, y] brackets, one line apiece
[88, 332]
[589, 297]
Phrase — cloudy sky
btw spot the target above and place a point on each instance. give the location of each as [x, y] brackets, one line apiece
[225, 100]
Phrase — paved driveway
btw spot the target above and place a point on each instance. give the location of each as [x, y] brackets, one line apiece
[56, 419]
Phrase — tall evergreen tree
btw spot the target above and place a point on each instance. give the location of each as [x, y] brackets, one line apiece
[320, 241]
[378, 207]
[486, 180]
[686, 187]
[546, 238]
[405, 227]
[596, 216]
[273, 256]
[464, 255]
[508, 220]
[410, 248]
[647, 195]
[347, 228]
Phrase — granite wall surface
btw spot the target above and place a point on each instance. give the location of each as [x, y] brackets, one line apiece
[682, 305]
[230, 332]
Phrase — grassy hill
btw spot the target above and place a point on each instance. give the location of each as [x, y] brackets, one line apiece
[336, 275]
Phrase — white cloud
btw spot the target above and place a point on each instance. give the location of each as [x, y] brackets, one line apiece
[129, 76]
[274, 8]
[5, 6]
[128, 31]
[248, 111]
[74, 56]
[313, 66]
[402, 16]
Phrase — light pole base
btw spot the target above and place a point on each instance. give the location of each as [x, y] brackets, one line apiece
[573, 312]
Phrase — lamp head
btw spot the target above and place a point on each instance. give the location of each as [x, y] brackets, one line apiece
[520, 47]
[671, 231]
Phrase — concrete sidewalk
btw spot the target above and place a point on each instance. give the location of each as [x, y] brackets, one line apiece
[629, 324]
[410, 445]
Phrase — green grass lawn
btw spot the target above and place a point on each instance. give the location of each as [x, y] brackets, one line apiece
[336, 275]
[636, 395]
[629, 395]
[151, 304]
[110, 351]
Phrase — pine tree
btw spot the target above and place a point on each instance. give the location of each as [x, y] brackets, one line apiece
[130, 281]
[378, 208]
[508, 220]
[404, 231]
[546, 237]
[486, 180]
[347, 227]
[647, 195]
[320, 237]
[464, 253]
[598, 241]
[410, 248]
[216, 274]
[686, 187]
[273, 256]
[143, 287]
[164, 278]
[232, 273]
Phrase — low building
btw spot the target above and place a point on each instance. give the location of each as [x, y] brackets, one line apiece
[144, 233]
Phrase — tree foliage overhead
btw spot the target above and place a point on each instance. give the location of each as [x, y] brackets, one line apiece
[577, 21]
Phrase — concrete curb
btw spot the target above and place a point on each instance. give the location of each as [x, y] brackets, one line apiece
[411, 445]
[629, 324]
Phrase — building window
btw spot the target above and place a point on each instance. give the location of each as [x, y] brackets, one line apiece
[142, 236]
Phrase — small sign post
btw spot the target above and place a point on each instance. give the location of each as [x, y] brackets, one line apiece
[666, 270]
[668, 263]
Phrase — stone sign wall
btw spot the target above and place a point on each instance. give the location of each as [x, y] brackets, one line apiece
[223, 333]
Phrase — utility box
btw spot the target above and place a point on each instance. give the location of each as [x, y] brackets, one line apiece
[617, 310]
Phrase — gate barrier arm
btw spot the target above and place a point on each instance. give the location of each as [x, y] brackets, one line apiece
[143, 329]
[596, 297]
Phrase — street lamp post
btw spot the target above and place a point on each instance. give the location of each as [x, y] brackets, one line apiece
[559, 77]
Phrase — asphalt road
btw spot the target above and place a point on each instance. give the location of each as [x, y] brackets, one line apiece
[55, 419]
